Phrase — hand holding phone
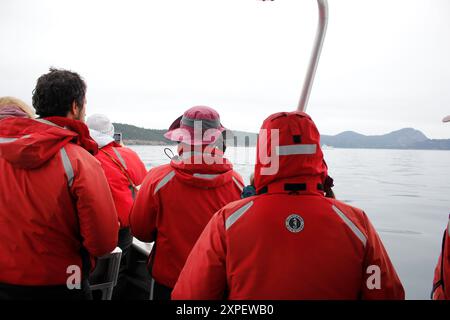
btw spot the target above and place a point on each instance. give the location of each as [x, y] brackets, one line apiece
[118, 137]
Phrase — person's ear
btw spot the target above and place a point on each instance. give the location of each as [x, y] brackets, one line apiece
[73, 111]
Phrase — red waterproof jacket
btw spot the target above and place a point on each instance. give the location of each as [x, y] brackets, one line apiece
[121, 165]
[289, 242]
[441, 283]
[174, 204]
[54, 201]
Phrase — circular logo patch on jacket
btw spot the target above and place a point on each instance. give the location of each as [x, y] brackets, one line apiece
[295, 223]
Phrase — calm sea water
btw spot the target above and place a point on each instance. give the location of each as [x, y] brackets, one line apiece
[406, 194]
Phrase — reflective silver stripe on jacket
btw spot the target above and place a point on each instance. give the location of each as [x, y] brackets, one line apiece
[6, 140]
[206, 176]
[241, 187]
[47, 122]
[164, 181]
[296, 149]
[120, 158]
[236, 215]
[351, 225]
[67, 166]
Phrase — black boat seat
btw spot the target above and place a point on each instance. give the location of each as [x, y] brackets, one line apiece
[104, 277]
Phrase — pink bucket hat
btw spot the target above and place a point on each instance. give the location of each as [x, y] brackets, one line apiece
[205, 120]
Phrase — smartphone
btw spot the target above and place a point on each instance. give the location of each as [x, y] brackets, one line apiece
[118, 137]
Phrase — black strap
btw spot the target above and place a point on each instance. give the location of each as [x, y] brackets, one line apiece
[263, 190]
[151, 257]
[295, 187]
[440, 282]
[435, 286]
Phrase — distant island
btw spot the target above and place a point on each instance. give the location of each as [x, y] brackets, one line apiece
[407, 138]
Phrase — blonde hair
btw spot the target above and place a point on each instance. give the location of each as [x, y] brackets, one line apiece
[11, 101]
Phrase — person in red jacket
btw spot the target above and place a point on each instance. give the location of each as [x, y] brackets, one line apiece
[177, 200]
[289, 241]
[56, 209]
[441, 282]
[125, 172]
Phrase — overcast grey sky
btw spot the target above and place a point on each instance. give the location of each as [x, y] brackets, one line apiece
[385, 64]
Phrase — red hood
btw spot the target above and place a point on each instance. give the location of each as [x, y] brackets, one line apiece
[28, 143]
[298, 150]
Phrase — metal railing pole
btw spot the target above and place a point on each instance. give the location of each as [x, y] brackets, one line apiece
[315, 55]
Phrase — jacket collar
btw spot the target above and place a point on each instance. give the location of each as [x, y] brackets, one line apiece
[83, 138]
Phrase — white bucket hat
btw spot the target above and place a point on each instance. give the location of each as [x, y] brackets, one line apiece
[101, 123]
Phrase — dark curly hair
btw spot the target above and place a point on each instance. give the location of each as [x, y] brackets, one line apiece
[56, 91]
